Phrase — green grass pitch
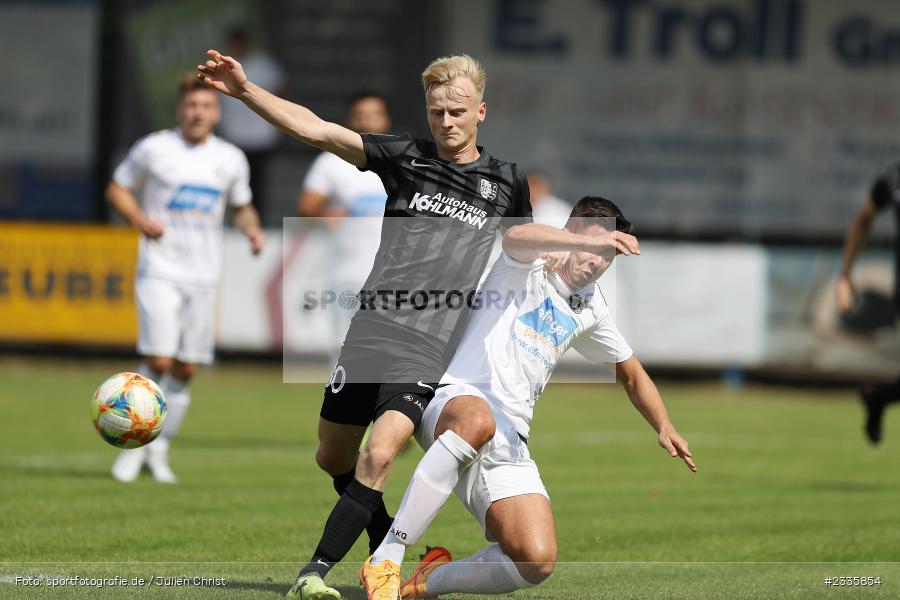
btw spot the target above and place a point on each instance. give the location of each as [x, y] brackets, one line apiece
[788, 493]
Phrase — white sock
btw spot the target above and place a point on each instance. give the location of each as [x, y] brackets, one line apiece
[488, 571]
[432, 482]
[158, 448]
[178, 398]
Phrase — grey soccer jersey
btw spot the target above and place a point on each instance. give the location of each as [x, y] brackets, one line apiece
[440, 224]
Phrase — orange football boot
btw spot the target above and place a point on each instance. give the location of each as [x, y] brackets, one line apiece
[381, 582]
[416, 586]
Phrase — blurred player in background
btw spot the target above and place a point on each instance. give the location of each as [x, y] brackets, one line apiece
[392, 358]
[885, 192]
[173, 187]
[240, 125]
[476, 429]
[547, 208]
[352, 203]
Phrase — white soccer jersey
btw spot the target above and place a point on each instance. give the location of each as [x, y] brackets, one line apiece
[185, 186]
[523, 323]
[362, 195]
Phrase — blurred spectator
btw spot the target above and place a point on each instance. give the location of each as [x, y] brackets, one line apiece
[241, 125]
[546, 208]
[884, 193]
[353, 203]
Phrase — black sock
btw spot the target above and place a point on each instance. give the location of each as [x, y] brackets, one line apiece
[341, 482]
[345, 524]
[885, 393]
[378, 527]
[381, 521]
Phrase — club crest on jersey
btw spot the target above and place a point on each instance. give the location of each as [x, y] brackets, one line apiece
[488, 189]
[577, 303]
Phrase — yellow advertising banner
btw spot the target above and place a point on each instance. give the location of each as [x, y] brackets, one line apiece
[67, 283]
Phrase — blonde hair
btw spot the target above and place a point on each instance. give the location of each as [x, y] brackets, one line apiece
[443, 70]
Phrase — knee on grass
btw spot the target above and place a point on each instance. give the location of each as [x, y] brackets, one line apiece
[535, 562]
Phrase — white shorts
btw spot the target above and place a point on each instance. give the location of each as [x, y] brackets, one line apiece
[503, 467]
[175, 320]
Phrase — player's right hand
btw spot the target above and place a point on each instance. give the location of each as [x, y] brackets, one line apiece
[845, 294]
[223, 73]
[676, 446]
[152, 228]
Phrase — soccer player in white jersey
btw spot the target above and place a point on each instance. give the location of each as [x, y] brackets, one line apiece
[352, 202]
[183, 177]
[476, 429]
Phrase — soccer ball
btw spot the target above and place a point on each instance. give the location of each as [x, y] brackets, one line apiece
[128, 410]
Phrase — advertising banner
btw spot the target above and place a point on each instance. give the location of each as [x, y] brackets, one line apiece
[689, 305]
[67, 284]
[718, 117]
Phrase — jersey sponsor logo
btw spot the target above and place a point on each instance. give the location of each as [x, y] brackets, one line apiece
[535, 353]
[548, 325]
[488, 189]
[194, 197]
[441, 204]
[419, 164]
[424, 385]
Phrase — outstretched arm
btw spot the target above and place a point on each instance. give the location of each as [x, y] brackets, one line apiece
[856, 237]
[645, 397]
[226, 75]
[527, 242]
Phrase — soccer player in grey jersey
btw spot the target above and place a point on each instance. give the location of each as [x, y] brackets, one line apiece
[414, 300]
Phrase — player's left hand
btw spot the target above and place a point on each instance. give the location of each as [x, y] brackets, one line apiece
[257, 239]
[554, 260]
[223, 73]
[676, 446]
